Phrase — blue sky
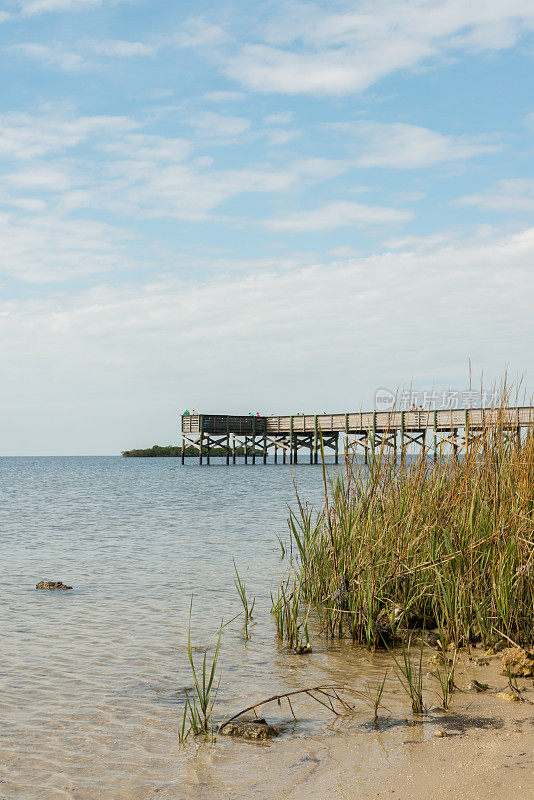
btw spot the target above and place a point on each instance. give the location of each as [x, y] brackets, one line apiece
[276, 206]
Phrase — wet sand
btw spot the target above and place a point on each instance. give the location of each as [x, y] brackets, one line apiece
[488, 753]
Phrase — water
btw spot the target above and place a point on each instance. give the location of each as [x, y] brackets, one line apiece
[92, 681]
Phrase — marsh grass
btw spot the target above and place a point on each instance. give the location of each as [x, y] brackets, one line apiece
[246, 602]
[197, 717]
[417, 543]
[290, 614]
[512, 681]
[445, 678]
[410, 674]
[372, 694]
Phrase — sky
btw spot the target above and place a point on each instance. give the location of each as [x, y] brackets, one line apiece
[257, 206]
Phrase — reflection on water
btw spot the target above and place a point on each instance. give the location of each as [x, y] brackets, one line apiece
[92, 680]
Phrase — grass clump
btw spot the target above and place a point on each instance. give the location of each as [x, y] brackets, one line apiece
[411, 675]
[286, 609]
[198, 710]
[416, 543]
[246, 602]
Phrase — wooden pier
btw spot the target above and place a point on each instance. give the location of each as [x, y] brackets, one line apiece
[390, 431]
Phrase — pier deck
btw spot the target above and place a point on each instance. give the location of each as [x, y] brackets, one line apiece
[393, 430]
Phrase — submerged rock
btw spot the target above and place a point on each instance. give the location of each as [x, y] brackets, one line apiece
[303, 649]
[518, 663]
[51, 585]
[255, 729]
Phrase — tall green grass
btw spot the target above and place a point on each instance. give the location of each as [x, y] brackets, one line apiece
[197, 716]
[246, 602]
[416, 543]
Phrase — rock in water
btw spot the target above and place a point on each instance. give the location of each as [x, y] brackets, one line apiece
[303, 649]
[258, 729]
[51, 585]
[518, 663]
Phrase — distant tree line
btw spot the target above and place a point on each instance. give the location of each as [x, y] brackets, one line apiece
[173, 451]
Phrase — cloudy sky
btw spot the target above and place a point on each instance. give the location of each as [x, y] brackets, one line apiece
[242, 206]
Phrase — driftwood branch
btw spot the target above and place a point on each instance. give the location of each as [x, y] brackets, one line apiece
[323, 690]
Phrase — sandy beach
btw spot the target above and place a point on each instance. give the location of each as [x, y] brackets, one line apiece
[487, 752]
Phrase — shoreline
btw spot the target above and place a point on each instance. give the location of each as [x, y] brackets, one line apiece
[487, 752]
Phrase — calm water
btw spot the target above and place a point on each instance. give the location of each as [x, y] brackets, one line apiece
[92, 680]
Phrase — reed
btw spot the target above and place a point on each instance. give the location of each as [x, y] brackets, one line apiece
[291, 623]
[445, 678]
[372, 694]
[246, 602]
[410, 675]
[197, 717]
[413, 543]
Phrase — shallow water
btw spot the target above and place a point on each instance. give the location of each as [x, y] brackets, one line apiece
[92, 680]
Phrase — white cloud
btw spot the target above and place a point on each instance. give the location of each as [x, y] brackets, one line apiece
[338, 214]
[130, 174]
[40, 248]
[145, 179]
[284, 118]
[38, 178]
[279, 136]
[185, 191]
[310, 48]
[199, 32]
[142, 147]
[122, 48]
[224, 97]
[219, 126]
[98, 349]
[84, 54]
[25, 136]
[515, 194]
[53, 55]
[275, 133]
[267, 69]
[320, 168]
[405, 146]
[31, 7]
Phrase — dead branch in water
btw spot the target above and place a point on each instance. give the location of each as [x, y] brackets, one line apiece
[329, 692]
